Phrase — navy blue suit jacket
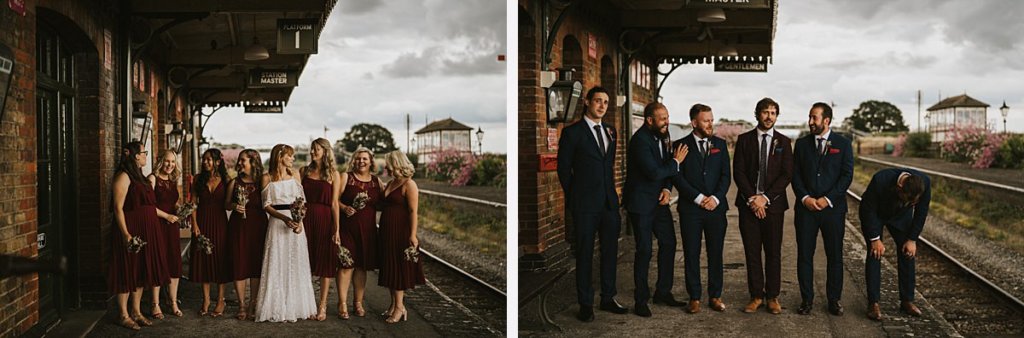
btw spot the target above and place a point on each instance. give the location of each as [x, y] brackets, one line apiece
[586, 175]
[648, 170]
[827, 175]
[698, 175]
[881, 206]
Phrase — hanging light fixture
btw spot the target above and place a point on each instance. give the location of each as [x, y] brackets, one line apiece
[256, 51]
[728, 49]
[711, 15]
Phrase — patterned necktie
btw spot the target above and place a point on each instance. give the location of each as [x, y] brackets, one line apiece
[762, 163]
[600, 138]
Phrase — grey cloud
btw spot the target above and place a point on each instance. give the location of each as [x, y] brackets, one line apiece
[358, 7]
[412, 64]
[483, 64]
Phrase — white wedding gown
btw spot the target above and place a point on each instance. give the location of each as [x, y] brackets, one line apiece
[286, 288]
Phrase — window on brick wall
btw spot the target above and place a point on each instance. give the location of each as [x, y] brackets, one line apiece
[640, 74]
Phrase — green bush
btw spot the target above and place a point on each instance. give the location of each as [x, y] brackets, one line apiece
[1011, 153]
[918, 145]
[489, 171]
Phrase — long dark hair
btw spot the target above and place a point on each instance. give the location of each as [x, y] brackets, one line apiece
[204, 175]
[127, 163]
[254, 161]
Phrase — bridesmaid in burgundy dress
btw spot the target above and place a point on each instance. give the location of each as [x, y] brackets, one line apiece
[137, 216]
[322, 187]
[164, 180]
[358, 227]
[211, 221]
[398, 225]
[247, 228]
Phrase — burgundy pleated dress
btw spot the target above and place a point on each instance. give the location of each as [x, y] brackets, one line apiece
[167, 201]
[213, 223]
[246, 236]
[359, 231]
[396, 273]
[147, 268]
[319, 228]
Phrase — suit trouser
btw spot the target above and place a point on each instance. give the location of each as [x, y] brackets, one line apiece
[833, 228]
[659, 223]
[905, 270]
[606, 225]
[763, 280]
[693, 224]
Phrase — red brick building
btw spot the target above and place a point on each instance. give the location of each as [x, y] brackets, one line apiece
[89, 76]
[619, 45]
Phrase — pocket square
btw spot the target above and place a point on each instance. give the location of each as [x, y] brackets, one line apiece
[833, 151]
[714, 151]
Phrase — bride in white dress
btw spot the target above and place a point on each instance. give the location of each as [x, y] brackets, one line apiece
[286, 293]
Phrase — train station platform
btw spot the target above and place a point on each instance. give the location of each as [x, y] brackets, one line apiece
[1008, 177]
[673, 321]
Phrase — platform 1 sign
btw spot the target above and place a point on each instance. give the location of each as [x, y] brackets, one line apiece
[297, 36]
[741, 66]
[266, 108]
[263, 78]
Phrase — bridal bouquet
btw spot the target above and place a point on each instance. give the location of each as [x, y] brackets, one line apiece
[205, 244]
[298, 210]
[345, 257]
[135, 244]
[412, 254]
[242, 196]
[184, 211]
[360, 201]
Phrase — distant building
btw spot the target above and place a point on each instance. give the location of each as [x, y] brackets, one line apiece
[446, 134]
[957, 111]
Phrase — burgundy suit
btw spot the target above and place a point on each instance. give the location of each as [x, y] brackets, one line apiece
[763, 280]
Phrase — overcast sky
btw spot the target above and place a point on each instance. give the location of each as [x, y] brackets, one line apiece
[853, 51]
[380, 60]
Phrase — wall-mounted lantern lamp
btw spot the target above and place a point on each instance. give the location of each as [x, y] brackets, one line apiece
[562, 97]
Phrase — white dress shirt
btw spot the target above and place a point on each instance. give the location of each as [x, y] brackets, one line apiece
[591, 124]
[824, 148]
[707, 148]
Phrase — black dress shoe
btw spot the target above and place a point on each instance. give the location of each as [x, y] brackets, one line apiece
[805, 308]
[667, 300]
[642, 310]
[586, 314]
[835, 308]
[613, 307]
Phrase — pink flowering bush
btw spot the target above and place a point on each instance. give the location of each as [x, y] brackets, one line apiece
[977, 146]
[901, 142]
[729, 131]
[452, 166]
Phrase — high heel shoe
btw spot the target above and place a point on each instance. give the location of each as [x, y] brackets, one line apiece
[343, 312]
[321, 313]
[141, 320]
[243, 312]
[401, 317]
[219, 310]
[127, 322]
[360, 311]
[157, 313]
[204, 309]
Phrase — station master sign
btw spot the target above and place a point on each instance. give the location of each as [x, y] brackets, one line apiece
[297, 36]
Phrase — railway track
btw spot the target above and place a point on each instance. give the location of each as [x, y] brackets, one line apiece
[969, 301]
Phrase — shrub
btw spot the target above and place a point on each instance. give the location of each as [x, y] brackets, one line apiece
[897, 149]
[1011, 153]
[452, 166]
[974, 145]
[918, 145]
[489, 170]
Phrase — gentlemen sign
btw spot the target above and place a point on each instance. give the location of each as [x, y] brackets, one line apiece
[727, 4]
[271, 108]
[741, 66]
[262, 78]
[297, 36]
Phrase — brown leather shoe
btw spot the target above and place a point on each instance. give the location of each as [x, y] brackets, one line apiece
[773, 306]
[716, 304]
[875, 311]
[693, 307]
[754, 304]
[910, 309]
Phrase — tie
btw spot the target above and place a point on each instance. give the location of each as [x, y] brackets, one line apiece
[703, 151]
[600, 138]
[762, 172]
[662, 146]
[820, 149]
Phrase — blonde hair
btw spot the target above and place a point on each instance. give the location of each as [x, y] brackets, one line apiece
[275, 157]
[352, 159]
[326, 165]
[173, 176]
[399, 164]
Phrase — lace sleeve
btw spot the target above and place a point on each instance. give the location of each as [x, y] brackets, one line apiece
[268, 195]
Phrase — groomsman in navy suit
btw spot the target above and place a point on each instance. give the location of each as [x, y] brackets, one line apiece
[652, 161]
[703, 181]
[898, 199]
[763, 169]
[822, 171]
[586, 157]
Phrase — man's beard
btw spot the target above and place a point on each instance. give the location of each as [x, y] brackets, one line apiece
[661, 135]
[817, 129]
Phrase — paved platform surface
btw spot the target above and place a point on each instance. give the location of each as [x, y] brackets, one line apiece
[1010, 177]
[673, 321]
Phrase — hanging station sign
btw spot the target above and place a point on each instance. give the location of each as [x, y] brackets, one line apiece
[727, 4]
[297, 36]
[264, 108]
[749, 66]
[264, 78]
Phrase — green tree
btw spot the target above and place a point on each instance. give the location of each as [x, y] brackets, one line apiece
[375, 137]
[877, 116]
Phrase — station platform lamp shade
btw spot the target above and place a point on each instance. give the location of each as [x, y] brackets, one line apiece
[563, 96]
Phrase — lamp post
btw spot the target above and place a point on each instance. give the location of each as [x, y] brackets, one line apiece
[1004, 110]
[480, 140]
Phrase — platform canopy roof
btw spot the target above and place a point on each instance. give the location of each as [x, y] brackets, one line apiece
[207, 41]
